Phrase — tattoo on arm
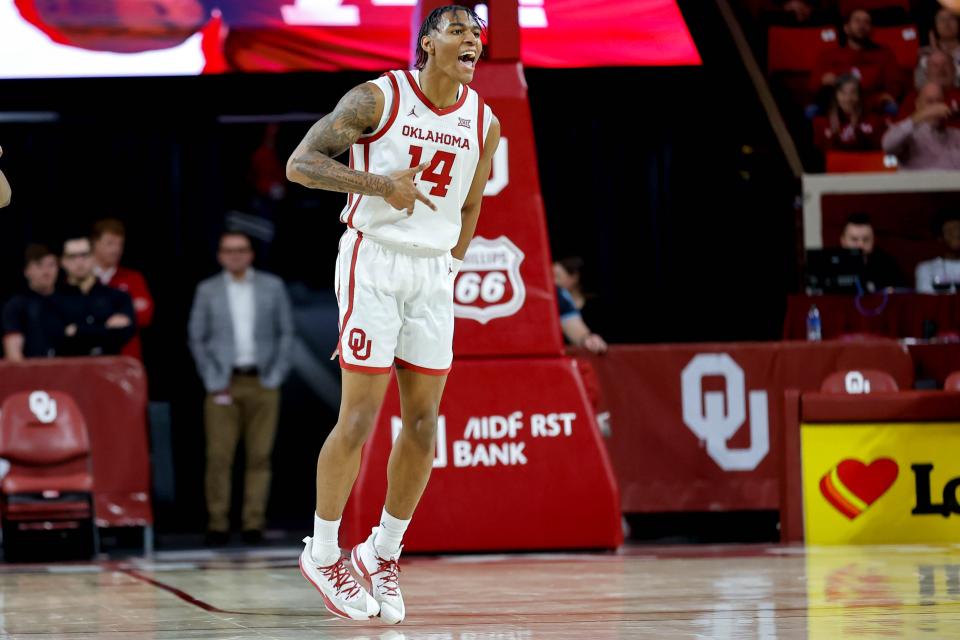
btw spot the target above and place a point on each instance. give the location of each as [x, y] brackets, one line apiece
[312, 164]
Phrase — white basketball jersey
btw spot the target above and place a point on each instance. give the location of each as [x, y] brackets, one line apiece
[411, 132]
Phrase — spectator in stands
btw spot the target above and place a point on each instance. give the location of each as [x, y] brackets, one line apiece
[32, 326]
[800, 10]
[569, 274]
[99, 320]
[942, 272]
[846, 127]
[941, 70]
[575, 330]
[880, 269]
[5, 192]
[241, 334]
[945, 37]
[875, 66]
[924, 141]
[109, 236]
[796, 13]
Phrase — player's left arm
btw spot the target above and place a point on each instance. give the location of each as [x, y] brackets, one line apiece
[470, 213]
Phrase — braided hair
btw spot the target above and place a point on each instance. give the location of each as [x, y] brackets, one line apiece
[433, 22]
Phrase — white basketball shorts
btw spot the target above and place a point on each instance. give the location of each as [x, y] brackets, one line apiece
[396, 306]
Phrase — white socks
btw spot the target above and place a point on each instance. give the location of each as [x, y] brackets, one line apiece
[389, 534]
[326, 546]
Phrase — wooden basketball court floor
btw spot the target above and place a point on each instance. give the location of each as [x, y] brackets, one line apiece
[762, 592]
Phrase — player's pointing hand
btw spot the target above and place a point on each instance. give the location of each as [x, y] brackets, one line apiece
[405, 193]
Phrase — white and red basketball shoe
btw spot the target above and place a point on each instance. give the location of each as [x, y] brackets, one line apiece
[342, 594]
[383, 574]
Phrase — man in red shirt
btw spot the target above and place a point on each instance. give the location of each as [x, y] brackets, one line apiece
[108, 240]
[875, 65]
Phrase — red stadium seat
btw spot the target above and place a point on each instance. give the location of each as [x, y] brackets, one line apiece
[859, 381]
[952, 383]
[903, 40]
[50, 483]
[859, 162]
[797, 48]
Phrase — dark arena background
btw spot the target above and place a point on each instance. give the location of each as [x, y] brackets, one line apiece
[743, 428]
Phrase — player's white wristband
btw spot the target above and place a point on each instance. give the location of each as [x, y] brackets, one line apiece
[457, 263]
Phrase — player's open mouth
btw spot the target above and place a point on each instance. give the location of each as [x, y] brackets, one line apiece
[468, 59]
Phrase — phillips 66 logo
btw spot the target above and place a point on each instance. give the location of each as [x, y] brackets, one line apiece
[715, 416]
[489, 284]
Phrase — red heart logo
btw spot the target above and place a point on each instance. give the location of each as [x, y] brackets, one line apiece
[852, 486]
[868, 481]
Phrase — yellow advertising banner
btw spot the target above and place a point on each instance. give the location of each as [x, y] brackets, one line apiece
[880, 483]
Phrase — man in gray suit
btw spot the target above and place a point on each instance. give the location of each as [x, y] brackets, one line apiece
[241, 333]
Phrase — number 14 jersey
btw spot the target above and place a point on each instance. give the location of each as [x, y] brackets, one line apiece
[412, 131]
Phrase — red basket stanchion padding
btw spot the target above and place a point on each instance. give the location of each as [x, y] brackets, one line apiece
[512, 458]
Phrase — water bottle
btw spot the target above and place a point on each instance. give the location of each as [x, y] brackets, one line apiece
[814, 333]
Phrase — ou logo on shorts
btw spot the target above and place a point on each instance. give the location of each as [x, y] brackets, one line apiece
[704, 413]
[359, 344]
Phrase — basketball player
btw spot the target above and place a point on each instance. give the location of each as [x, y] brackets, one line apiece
[421, 144]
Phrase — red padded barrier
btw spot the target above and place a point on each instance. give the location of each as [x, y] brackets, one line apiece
[697, 427]
[917, 406]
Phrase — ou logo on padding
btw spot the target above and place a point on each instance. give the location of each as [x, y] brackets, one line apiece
[705, 415]
[855, 383]
[43, 406]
